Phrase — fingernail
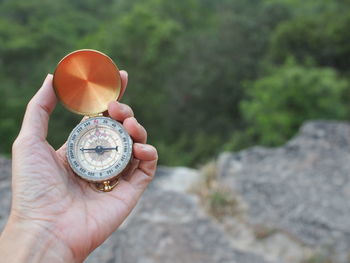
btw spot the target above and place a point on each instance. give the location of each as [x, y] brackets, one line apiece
[144, 147]
[138, 124]
[123, 109]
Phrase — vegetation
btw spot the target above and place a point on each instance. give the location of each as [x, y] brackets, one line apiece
[204, 76]
[281, 100]
[217, 199]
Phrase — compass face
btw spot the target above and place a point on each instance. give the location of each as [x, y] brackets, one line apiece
[99, 149]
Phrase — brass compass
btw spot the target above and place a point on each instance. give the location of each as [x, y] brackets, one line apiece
[98, 149]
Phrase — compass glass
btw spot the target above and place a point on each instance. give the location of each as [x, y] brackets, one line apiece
[99, 149]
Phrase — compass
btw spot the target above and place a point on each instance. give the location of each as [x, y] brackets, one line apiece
[99, 149]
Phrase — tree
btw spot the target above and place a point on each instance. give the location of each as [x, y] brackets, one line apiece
[281, 101]
[322, 36]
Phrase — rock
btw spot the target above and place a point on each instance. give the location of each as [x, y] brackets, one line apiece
[5, 169]
[293, 200]
[179, 179]
[169, 227]
[301, 189]
[5, 190]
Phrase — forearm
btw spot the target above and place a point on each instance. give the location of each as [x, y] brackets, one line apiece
[23, 242]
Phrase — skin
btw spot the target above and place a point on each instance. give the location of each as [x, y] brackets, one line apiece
[56, 216]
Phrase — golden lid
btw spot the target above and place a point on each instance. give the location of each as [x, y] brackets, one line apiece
[86, 80]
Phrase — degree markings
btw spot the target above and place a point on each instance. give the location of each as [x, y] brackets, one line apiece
[106, 159]
[94, 164]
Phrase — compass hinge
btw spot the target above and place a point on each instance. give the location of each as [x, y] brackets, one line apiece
[106, 186]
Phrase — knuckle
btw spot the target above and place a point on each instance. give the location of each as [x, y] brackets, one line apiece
[30, 104]
[149, 177]
[148, 174]
[22, 141]
[15, 144]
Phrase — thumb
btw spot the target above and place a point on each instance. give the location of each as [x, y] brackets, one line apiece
[39, 108]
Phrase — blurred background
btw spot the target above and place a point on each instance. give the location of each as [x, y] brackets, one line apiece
[205, 76]
[209, 80]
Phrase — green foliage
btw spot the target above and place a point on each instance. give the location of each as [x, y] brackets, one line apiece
[281, 101]
[189, 149]
[315, 36]
[187, 63]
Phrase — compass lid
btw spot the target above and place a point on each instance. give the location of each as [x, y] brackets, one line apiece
[86, 80]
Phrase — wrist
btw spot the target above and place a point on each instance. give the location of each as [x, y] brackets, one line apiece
[23, 241]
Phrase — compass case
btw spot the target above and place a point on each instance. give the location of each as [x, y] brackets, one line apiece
[85, 81]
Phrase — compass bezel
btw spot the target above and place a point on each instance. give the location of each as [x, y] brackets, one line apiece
[112, 171]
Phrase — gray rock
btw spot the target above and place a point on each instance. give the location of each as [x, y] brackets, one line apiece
[297, 194]
[179, 179]
[5, 190]
[169, 227]
[301, 188]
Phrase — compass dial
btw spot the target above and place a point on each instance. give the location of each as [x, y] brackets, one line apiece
[99, 149]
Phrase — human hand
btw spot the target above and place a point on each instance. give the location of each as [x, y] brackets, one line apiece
[56, 216]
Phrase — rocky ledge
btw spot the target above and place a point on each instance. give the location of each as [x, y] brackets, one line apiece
[300, 191]
[291, 204]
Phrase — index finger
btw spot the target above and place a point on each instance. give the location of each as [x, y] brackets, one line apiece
[124, 78]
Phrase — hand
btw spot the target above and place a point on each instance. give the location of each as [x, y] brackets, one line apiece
[56, 216]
